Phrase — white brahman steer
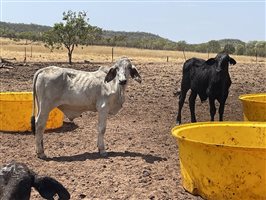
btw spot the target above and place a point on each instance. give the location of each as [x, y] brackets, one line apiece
[74, 91]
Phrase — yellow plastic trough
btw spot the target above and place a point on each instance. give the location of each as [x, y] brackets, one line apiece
[225, 160]
[254, 107]
[16, 111]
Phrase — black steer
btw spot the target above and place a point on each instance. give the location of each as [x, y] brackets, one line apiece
[208, 79]
[16, 180]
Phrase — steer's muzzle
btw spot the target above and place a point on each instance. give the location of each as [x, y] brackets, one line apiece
[124, 82]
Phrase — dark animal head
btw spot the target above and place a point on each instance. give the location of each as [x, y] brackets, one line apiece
[122, 70]
[222, 60]
[16, 180]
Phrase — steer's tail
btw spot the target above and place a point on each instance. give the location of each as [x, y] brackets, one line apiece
[34, 98]
[49, 187]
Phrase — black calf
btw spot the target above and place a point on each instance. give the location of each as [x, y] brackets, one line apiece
[208, 79]
[16, 180]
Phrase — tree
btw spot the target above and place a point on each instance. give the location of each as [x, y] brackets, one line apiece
[214, 46]
[74, 31]
[261, 48]
[240, 49]
[229, 48]
[250, 48]
[181, 45]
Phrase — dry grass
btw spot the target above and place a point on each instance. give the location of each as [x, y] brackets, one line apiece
[13, 49]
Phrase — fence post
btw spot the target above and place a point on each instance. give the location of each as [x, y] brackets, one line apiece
[167, 59]
[31, 51]
[25, 56]
[184, 54]
[112, 54]
[256, 56]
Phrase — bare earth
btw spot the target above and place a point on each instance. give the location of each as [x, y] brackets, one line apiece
[143, 156]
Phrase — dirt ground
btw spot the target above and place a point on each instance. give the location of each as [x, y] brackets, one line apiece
[143, 156]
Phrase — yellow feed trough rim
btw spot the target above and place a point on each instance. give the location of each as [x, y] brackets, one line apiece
[5, 99]
[252, 97]
[179, 128]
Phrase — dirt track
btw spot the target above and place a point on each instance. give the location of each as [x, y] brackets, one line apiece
[143, 156]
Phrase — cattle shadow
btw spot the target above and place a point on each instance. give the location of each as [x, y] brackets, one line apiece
[95, 155]
[66, 127]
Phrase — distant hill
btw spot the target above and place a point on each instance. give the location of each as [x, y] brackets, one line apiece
[119, 35]
[132, 35]
[234, 42]
[114, 38]
[18, 27]
[135, 39]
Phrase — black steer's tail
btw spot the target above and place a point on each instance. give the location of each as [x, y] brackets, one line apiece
[49, 187]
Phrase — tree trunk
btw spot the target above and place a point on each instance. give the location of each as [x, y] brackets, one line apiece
[70, 58]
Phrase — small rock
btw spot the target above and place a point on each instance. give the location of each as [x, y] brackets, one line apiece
[82, 196]
[146, 173]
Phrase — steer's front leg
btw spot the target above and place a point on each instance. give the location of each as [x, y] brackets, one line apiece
[102, 118]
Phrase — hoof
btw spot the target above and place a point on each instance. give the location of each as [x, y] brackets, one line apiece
[41, 156]
[103, 153]
[178, 123]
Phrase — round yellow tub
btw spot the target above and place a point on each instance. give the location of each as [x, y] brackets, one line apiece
[254, 107]
[223, 160]
[16, 111]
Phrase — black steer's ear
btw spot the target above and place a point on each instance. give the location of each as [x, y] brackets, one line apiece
[110, 75]
[49, 187]
[210, 61]
[232, 61]
[134, 74]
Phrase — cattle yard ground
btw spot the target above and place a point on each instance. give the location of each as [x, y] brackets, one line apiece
[143, 156]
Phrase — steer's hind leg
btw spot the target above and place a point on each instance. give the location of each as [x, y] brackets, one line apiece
[192, 99]
[42, 116]
[182, 98]
[102, 118]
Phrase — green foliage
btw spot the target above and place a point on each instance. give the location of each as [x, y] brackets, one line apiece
[261, 48]
[142, 40]
[31, 32]
[214, 46]
[74, 31]
[240, 49]
[229, 48]
[234, 42]
[181, 45]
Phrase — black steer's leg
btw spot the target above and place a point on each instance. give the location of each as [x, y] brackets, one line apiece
[182, 98]
[221, 107]
[192, 100]
[212, 108]
[221, 111]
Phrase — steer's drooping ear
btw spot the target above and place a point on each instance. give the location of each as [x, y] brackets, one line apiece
[210, 61]
[49, 187]
[110, 75]
[232, 61]
[134, 74]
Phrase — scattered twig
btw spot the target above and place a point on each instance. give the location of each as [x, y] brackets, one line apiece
[3, 65]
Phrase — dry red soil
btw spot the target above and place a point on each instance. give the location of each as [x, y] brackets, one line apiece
[143, 158]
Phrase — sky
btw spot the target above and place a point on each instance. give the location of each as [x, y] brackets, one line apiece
[194, 21]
